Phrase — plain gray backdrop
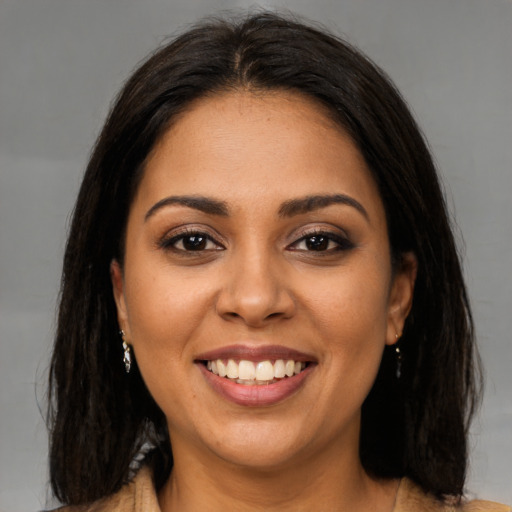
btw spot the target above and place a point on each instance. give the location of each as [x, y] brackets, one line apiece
[62, 61]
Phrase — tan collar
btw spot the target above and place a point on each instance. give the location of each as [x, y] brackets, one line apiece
[410, 498]
[140, 496]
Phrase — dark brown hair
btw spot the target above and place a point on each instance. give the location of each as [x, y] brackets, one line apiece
[99, 417]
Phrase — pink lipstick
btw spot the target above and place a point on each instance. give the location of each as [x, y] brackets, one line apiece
[255, 375]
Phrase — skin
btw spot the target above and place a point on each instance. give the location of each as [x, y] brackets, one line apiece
[258, 282]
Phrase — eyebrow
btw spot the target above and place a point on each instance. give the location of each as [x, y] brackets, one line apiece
[287, 209]
[311, 203]
[203, 204]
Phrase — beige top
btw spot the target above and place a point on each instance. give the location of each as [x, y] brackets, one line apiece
[140, 496]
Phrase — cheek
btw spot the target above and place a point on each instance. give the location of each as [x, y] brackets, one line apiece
[350, 312]
[351, 302]
[166, 314]
[164, 310]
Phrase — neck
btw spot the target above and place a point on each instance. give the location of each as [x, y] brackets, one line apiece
[328, 482]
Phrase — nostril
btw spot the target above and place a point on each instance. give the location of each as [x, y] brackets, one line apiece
[254, 303]
[274, 315]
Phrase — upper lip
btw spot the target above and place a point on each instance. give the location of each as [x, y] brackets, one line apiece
[255, 353]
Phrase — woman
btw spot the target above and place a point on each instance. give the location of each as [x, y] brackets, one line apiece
[261, 294]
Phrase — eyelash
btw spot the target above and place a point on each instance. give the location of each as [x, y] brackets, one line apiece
[170, 243]
[342, 242]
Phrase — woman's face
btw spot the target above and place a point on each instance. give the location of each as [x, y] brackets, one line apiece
[257, 245]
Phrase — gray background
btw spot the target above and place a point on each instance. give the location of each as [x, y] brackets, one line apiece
[61, 61]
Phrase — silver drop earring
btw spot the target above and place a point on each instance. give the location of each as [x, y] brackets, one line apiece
[398, 358]
[127, 357]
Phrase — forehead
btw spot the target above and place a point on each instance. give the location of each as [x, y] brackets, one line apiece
[241, 145]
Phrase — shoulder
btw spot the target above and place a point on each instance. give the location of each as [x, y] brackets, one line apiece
[139, 495]
[485, 506]
[410, 497]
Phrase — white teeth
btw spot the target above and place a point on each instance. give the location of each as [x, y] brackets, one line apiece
[289, 368]
[246, 370]
[232, 369]
[279, 369]
[262, 372]
[221, 367]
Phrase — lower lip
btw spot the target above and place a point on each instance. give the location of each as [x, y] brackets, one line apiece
[258, 395]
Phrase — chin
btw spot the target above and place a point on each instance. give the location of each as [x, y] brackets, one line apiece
[259, 457]
[260, 445]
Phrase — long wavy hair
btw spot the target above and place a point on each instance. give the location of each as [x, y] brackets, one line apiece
[99, 417]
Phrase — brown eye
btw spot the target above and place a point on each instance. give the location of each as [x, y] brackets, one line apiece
[194, 242]
[190, 242]
[317, 243]
[322, 242]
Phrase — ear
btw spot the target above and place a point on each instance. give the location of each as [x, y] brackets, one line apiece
[400, 298]
[116, 276]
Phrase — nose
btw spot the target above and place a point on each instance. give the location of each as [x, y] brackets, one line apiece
[255, 291]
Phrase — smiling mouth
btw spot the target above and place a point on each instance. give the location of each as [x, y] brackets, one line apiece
[251, 373]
